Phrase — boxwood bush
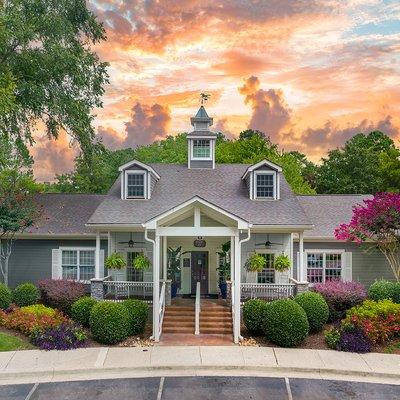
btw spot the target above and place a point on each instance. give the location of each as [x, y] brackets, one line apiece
[316, 309]
[26, 294]
[384, 290]
[80, 310]
[138, 313]
[109, 322]
[285, 323]
[253, 315]
[5, 296]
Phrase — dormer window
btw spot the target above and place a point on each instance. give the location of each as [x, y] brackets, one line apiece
[135, 184]
[201, 149]
[138, 180]
[265, 185]
[263, 181]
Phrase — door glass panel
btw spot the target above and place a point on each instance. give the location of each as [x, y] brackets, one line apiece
[132, 273]
[268, 273]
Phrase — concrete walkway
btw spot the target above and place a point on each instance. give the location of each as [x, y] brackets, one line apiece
[98, 363]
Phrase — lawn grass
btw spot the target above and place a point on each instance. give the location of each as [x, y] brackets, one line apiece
[9, 342]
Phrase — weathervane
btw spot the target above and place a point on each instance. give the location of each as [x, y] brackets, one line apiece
[204, 97]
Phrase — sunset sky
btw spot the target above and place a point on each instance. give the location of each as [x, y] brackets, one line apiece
[309, 73]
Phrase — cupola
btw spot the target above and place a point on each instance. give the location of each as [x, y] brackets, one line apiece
[201, 142]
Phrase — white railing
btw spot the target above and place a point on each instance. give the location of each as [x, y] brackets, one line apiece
[197, 310]
[267, 291]
[121, 290]
[232, 293]
[161, 309]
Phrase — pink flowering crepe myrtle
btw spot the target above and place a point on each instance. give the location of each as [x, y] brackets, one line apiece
[376, 222]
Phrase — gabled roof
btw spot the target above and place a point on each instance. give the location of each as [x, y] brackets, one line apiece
[140, 164]
[267, 163]
[221, 186]
[327, 211]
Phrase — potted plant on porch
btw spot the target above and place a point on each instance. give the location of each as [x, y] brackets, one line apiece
[141, 262]
[255, 262]
[282, 263]
[174, 267]
[224, 268]
[115, 261]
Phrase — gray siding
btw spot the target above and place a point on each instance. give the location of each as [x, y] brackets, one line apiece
[201, 164]
[366, 266]
[153, 182]
[30, 259]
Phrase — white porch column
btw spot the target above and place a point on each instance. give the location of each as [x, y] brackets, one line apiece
[165, 256]
[300, 272]
[232, 261]
[236, 322]
[156, 288]
[97, 257]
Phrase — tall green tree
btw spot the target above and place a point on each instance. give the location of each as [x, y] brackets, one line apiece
[354, 168]
[49, 75]
[389, 170]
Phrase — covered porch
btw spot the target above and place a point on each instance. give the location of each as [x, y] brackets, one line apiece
[200, 229]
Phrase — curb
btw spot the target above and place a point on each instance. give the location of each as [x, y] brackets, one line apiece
[97, 373]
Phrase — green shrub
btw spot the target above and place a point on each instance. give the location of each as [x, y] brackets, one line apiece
[80, 310]
[5, 296]
[316, 309]
[26, 294]
[138, 313]
[285, 323]
[253, 315]
[109, 322]
[332, 337]
[385, 290]
[39, 310]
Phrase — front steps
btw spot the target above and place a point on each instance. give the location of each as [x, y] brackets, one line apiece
[215, 319]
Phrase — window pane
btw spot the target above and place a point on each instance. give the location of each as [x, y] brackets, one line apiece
[201, 148]
[135, 185]
[69, 264]
[265, 185]
[86, 265]
[315, 267]
[333, 267]
[268, 273]
[132, 273]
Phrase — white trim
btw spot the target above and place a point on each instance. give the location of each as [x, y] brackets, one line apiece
[145, 184]
[193, 158]
[274, 183]
[270, 164]
[194, 232]
[152, 223]
[140, 164]
[197, 217]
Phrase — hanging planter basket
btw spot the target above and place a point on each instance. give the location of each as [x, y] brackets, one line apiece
[115, 261]
[255, 263]
[282, 263]
[141, 262]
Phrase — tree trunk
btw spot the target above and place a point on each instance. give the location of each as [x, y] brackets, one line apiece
[5, 252]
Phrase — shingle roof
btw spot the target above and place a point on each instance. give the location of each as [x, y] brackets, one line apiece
[202, 113]
[202, 133]
[326, 212]
[64, 214]
[221, 186]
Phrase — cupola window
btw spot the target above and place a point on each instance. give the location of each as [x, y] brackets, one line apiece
[201, 149]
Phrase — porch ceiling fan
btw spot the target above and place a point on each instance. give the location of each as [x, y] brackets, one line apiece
[131, 242]
[268, 243]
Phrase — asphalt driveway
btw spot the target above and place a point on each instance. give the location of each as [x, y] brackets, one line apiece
[204, 388]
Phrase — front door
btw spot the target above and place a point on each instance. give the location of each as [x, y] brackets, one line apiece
[199, 263]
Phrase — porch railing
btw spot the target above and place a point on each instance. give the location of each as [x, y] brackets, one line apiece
[122, 290]
[197, 310]
[161, 310]
[267, 291]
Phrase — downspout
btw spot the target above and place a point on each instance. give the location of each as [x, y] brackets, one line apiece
[239, 274]
[154, 292]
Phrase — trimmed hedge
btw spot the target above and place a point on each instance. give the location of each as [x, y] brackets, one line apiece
[385, 290]
[285, 323]
[109, 322]
[5, 296]
[26, 294]
[253, 315]
[138, 313]
[80, 310]
[316, 309]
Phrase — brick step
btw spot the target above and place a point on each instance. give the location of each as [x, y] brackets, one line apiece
[216, 316]
[216, 331]
[184, 329]
[216, 310]
[215, 325]
[174, 324]
[179, 308]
